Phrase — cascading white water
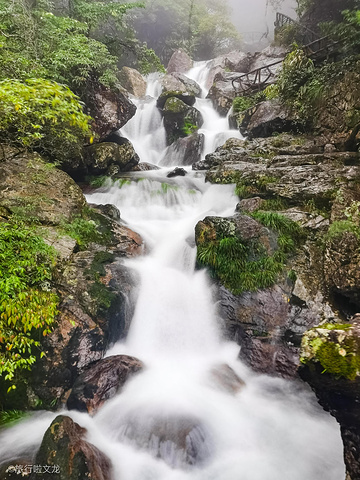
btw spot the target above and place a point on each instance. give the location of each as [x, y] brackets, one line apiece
[177, 420]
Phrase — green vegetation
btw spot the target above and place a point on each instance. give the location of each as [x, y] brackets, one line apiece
[338, 228]
[246, 265]
[44, 116]
[10, 417]
[27, 304]
[338, 353]
[88, 227]
[247, 187]
[240, 104]
[189, 128]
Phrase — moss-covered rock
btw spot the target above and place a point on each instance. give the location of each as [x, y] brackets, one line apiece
[187, 97]
[336, 347]
[108, 158]
[331, 365]
[68, 455]
[34, 190]
[180, 119]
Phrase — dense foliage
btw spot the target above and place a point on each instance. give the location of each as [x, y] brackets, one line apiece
[27, 304]
[42, 115]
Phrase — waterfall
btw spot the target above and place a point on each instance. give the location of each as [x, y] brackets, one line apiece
[187, 416]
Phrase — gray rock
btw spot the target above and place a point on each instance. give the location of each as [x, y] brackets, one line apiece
[185, 151]
[132, 81]
[179, 62]
[268, 118]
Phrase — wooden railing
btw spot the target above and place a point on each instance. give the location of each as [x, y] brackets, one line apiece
[308, 35]
[260, 78]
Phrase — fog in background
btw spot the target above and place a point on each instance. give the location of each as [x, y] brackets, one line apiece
[255, 16]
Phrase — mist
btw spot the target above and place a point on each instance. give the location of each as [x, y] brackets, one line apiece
[257, 17]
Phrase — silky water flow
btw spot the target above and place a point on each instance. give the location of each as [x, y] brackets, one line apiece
[186, 416]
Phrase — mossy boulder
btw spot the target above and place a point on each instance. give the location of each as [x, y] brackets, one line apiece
[109, 158]
[68, 455]
[336, 347]
[330, 359]
[183, 95]
[35, 190]
[180, 119]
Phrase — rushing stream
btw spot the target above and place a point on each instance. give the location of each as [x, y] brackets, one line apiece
[270, 429]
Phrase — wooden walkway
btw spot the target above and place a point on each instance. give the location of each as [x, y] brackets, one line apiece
[258, 79]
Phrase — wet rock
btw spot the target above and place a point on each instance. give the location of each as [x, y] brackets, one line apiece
[331, 366]
[179, 441]
[249, 204]
[101, 381]
[132, 81]
[70, 457]
[48, 195]
[226, 379]
[179, 62]
[177, 117]
[268, 118]
[144, 167]
[190, 85]
[185, 151]
[183, 95]
[110, 109]
[177, 172]
[108, 210]
[97, 296]
[341, 265]
[222, 93]
[106, 157]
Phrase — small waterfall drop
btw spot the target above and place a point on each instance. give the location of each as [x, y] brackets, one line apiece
[180, 419]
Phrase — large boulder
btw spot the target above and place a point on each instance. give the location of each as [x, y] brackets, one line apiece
[132, 81]
[66, 454]
[179, 62]
[331, 365]
[183, 95]
[178, 118]
[178, 82]
[222, 93]
[110, 109]
[268, 118]
[185, 151]
[101, 381]
[48, 195]
[108, 158]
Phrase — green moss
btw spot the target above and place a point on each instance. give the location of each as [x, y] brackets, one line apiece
[101, 295]
[337, 229]
[274, 204]
[247, 187]
[97, 181]
[246, 266]
[347, 365]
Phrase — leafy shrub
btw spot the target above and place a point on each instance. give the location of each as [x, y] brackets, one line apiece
[27, 305]
[42, 115]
